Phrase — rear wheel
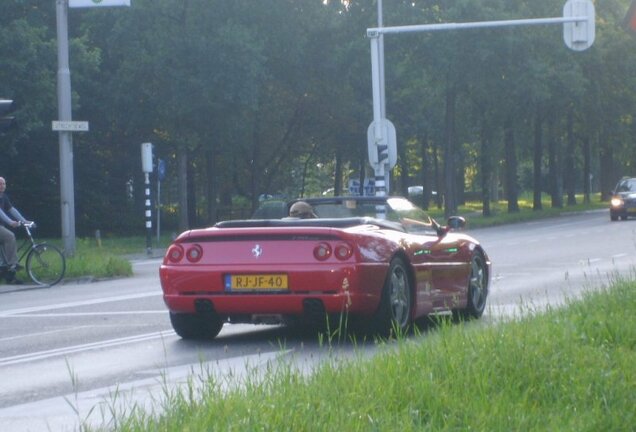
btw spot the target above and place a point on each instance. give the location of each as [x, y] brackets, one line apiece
[394, 312]
[45, 264]
[196, 326]
[477, 288]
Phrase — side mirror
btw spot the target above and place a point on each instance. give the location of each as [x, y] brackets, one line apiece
[456, 222]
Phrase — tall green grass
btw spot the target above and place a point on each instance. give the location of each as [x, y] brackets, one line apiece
[567, 369]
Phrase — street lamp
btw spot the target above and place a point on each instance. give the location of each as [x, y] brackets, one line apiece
[64, 109]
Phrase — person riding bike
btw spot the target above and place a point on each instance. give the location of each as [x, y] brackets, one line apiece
[9, 217]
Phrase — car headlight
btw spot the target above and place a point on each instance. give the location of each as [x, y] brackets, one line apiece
[616, 202]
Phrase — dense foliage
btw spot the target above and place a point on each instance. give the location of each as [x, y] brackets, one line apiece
[243, 98]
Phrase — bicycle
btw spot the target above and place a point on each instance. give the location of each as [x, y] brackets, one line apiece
[45, 263]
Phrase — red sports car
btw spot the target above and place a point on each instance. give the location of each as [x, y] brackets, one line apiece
[380, 260]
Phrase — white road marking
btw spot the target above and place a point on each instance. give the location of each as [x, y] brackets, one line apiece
[79, 303]
[40, 355]
[96, 313]
[40, 333]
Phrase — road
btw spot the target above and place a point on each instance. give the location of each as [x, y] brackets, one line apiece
[75, 352]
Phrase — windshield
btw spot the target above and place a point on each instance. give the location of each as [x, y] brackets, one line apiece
[627, 186]
[412, 218]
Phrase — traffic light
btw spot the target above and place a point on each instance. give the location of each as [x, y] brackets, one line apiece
[6, 106]
[630, 18]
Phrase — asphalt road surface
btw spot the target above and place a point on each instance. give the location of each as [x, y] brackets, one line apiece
[76, 352]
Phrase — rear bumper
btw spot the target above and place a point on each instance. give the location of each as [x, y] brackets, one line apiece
[283, 304]
[346, 288]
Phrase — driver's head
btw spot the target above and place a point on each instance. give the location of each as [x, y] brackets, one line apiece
[302, 210]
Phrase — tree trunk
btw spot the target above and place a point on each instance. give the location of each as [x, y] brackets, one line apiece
[486, 169]
[511, 168]
[256, 171]
[587, 170]
[211, 189]
[193, 217]
[402, 187]
[538, 158]
[609, 177]
[439, 183]
[556, 193]
[570, 183]
[337, 184]
[182, 160]
[424, 174]
[450, 190]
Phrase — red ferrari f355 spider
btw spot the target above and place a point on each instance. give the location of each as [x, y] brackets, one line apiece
[380, 260]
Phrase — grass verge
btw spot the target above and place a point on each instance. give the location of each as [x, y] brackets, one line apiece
[566, 369]
[473, 211]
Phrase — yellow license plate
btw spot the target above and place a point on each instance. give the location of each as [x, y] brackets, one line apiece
[267, 282]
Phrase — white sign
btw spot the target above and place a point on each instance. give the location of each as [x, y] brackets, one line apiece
[97, 3]
[70, 126]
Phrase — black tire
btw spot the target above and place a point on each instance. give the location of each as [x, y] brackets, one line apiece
[196, 326]
[394, 312]
[477, 288]
[613, 218]
[45, 264]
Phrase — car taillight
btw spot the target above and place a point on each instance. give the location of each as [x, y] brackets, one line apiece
[322, 251]
[343, 251]
[194, 253]
[175, 253]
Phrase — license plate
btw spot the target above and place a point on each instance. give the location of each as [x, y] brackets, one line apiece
[256, 282]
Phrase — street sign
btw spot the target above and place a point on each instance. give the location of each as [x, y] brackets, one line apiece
[579, 35]
[97, 3]
[69, 126]
[383, 144]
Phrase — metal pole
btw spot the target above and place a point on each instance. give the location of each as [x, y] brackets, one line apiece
[387, 172]
[379, 168]
[374, 32]
[381, 61]
[158, 209]
[67, 198]
[148, 216]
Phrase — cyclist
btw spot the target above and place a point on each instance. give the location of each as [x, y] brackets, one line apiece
[9, 217]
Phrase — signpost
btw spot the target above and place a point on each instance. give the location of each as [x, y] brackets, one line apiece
[146, 168]
[578, 34]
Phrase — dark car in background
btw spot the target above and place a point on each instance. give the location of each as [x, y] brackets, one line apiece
[623, 202]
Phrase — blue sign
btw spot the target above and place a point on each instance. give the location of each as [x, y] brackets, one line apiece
[161, 169]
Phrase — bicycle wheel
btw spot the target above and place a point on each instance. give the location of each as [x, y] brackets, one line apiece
[45, 264]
